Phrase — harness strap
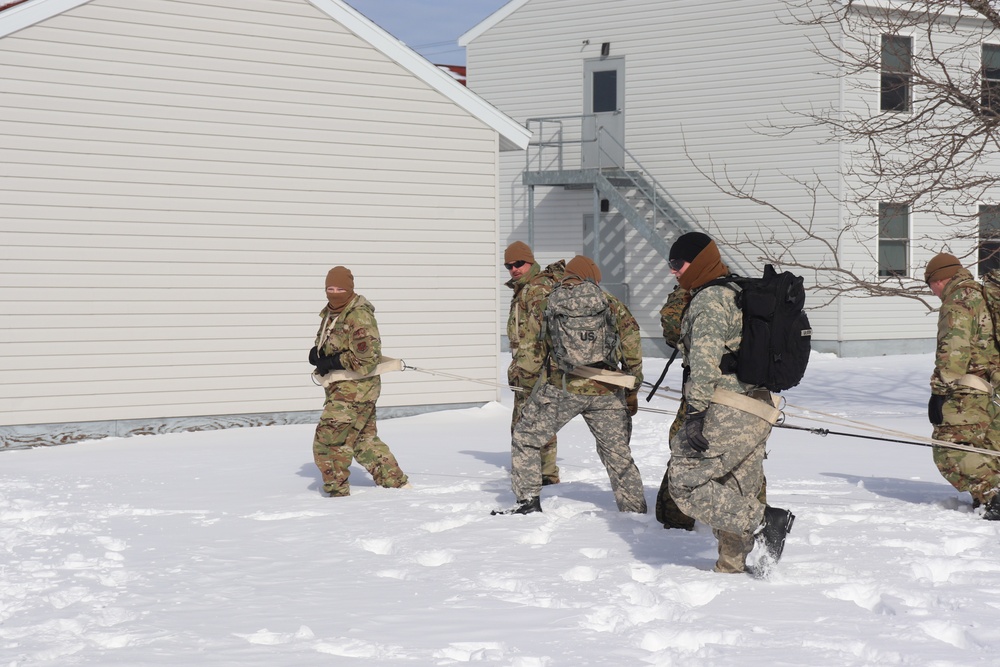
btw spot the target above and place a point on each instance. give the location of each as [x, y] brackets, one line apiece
[604, 375]
[386, 365]
[969, 381]
[975, 382]
[769, 413]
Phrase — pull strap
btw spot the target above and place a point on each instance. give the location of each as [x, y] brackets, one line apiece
[744, 403]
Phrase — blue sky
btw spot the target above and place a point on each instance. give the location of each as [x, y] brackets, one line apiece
[429, 27]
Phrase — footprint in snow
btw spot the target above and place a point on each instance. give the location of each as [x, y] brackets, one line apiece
[580, 573]
[435, 558]
[446, 524]
[377, 545]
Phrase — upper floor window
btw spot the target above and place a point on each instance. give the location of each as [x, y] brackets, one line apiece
[991, 78]
[896, 67]
[989, 238]
[893, 239]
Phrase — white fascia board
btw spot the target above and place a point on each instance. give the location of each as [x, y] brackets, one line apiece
[29, 13]
[490, 21]
[513, 135]
[913, 7]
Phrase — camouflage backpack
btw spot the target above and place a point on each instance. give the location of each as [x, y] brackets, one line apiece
[581, 326]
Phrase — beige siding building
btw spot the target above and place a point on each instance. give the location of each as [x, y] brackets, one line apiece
[177, 178]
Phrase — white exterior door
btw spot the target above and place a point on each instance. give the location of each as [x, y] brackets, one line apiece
[604, 112]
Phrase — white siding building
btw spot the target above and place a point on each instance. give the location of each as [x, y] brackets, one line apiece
[682, 89]
[177, 178]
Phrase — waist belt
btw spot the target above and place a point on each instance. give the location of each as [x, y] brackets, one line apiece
[769, 413]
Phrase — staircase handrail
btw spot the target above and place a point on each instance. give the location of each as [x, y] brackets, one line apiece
[688, 220]
[542, 143]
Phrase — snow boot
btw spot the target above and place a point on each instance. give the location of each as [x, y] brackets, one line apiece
[773, 530]
[992, 510]
[529, 506]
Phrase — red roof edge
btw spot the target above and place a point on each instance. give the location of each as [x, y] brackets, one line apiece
[8, 5]
[457, 72]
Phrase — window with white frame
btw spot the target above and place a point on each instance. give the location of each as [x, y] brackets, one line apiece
[896, 69]
[989, 238]
[893, 239]
[991, 79]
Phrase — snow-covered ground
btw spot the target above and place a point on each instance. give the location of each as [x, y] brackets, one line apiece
[217, 549]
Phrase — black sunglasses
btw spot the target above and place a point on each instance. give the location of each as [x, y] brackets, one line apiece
[675, 264]
[514, 265]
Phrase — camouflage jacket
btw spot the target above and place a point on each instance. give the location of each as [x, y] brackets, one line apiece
[524, 323]
[711, 327]
[353, 334]
[630, 363]
[965, 343]
[671, 314]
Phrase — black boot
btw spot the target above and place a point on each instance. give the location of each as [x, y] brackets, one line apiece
[992, 510]
[773, 530]
[529, 506]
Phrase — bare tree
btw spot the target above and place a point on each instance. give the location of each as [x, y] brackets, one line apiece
[925, 141]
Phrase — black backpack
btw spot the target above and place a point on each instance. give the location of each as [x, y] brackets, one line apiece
[777, 337]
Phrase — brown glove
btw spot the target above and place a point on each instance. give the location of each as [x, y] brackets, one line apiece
[632, 402]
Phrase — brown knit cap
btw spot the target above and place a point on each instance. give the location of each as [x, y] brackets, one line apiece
[941, 267]
[518, 251]
[340, 277]
[584, 267]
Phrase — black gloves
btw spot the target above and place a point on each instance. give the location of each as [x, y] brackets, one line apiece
[327, 364]
[690, 432]
[934, 414]
[323, 363]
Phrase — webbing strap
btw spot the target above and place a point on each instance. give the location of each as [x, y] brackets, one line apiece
[744, 403]
[604, 375]
[386, 365]
[975, 382]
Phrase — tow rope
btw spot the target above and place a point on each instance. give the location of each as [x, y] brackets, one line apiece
[408, 367]
[916, 440]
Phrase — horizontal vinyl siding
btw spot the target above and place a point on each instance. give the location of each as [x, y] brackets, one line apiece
[176, 180]
[700, 78]
[894, 318]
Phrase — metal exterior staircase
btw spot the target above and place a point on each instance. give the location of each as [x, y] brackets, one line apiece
[555, 158]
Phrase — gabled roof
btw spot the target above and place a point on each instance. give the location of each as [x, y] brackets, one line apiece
[513, 135]
[490, 21]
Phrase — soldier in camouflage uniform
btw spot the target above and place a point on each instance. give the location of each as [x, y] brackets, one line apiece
[607, 410]
[716, 457]
[531, 286]
[667, 511]
[961, 406]
[348, 339]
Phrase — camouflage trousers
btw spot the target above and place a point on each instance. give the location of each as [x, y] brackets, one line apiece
[548, 410]
[969, 419]
[667, 511]
[347, 431]
[550, 469]
[719, 487]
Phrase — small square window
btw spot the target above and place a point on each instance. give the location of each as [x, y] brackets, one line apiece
[893, 240]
